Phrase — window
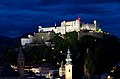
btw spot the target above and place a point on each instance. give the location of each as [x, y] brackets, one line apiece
[69, 70]
[22, 64]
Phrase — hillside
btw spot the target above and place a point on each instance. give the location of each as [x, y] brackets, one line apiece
[98, 54]
[7, 42]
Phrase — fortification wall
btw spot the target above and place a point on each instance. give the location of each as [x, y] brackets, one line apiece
[95, 34]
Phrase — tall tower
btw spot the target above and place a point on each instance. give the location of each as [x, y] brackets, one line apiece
[77, 25]
[62, 70]
[21, 63]
[68, 66]
[95, 25]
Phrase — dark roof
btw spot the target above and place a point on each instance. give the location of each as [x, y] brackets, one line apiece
[50, 66]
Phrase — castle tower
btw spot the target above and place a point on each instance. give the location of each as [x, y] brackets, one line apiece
[21, 63]
[95, 23]
[77, 25]
[68, 66]
[63, 26]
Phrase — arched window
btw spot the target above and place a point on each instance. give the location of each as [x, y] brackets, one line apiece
[22, 64]
[69, 70]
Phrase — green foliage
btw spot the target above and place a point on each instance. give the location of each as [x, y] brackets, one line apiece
[102, 54]
[36, 54]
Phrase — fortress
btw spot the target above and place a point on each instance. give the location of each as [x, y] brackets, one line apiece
[70, 26]
[47, 33]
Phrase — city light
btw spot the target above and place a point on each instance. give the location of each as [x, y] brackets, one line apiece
[60, 51]
[53, 48]
[44, 60]
[58, 63]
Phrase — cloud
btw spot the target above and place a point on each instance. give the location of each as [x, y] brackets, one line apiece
[12, 33]
[23, 16]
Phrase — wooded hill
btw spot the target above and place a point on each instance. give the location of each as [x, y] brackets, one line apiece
[97, 55]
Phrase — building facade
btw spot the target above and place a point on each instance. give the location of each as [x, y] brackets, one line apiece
[65, 71]
[68, 66]
[70, 26]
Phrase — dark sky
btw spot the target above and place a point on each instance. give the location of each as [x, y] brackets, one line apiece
[21, 16]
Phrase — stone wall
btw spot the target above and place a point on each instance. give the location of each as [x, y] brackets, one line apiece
[95, 34]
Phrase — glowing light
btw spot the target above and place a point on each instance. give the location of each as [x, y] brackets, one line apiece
[112, 71]
[108, 33]
[44, 60]
[14, 67]
[60, 51]
[58, 63]
[53, 48]
[108, 77]
[78, 18]
[35, 70]
[99, 31]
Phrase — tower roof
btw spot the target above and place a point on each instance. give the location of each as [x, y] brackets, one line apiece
[20, 55]
[62, 64]
[68, 59]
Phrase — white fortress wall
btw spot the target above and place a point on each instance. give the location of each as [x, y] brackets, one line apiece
[25, 41]
[58, 29]
[48, 29]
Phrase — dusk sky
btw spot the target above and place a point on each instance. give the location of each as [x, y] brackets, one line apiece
[22, 16]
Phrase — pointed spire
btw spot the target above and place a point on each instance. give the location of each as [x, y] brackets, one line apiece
[55, 24]
[20, 55]
[62, 64]
[21, 62]
[68, 59]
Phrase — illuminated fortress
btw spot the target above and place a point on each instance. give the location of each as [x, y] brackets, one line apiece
[70, 26]
[47, 33]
